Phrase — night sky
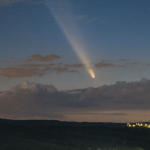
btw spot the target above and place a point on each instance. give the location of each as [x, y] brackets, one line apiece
[75, 60]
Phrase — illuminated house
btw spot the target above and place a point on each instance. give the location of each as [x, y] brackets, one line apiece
[147, 125]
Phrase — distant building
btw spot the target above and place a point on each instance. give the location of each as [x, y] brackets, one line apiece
[146, 125]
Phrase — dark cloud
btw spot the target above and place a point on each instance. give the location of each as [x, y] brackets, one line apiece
[25, 100]
[31, 99]
[40, 58]
[103, 64]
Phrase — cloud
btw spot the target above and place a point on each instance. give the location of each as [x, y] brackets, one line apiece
[103, 65]
[32, 100]
[40, 58]
[33, 70]
[122, 63]
[25, 100]
[36, 65]
[61, 70]
[22, 72]
[39, 67]
[129, 64]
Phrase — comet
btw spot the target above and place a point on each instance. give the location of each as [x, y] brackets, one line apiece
[62, 12]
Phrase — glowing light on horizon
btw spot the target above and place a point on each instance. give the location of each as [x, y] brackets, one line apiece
[69, 28]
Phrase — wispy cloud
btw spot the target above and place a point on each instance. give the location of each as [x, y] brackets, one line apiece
[124, 63]
[103, 64]
[38, 65]
[23, 72]
[130, 64]
[63, 69]
[47, 58]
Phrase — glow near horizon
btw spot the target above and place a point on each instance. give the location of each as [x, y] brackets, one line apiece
[72, 34]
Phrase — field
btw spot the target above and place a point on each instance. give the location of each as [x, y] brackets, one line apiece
[68, 137]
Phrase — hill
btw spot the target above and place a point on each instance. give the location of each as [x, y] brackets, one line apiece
[70, 136]
[31, 123]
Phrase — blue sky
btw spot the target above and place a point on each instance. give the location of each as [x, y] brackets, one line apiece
[42, 41]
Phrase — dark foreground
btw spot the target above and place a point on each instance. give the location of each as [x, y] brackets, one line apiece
[55, 135]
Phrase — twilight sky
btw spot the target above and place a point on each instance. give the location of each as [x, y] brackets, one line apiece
[75, 60]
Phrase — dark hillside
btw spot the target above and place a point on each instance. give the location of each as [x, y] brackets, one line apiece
[60, 123]
[71, 137]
